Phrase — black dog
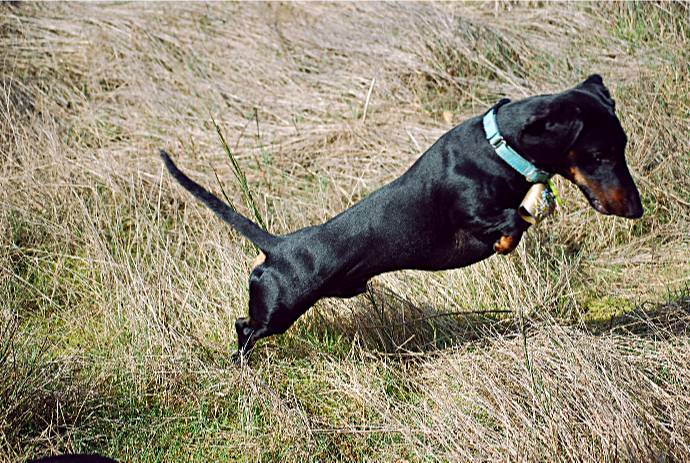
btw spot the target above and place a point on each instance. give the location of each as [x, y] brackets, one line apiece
[455, 206]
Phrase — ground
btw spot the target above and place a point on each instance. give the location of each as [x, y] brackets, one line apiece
[119, 292]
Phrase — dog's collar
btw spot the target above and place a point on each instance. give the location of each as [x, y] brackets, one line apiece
[508, 154]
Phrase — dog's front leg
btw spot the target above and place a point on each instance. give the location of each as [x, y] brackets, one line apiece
[507, 243]
[511, 229]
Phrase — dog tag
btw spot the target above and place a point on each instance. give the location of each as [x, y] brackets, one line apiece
[538, 203]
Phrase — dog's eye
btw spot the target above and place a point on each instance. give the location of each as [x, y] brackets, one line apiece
[600, 158]
[594, 156]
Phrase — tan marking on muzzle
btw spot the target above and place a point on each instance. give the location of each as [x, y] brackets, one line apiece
[258, 260]
[613, 199]
[616, 200]
[575, 171]
[578, 178]
[594, 188]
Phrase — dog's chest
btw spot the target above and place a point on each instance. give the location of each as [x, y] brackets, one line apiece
[460, 238]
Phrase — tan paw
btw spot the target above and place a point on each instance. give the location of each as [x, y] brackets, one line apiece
[505, 244]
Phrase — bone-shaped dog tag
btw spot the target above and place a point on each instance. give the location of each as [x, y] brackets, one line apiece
[538, 203]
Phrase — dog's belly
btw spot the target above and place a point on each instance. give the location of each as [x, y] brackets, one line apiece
[460, 250]
[327, 273]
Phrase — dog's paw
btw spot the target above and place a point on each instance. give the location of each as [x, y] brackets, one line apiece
[240, 357]
[237, 358]
[506, 244]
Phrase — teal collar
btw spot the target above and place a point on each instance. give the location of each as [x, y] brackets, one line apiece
[508, 154]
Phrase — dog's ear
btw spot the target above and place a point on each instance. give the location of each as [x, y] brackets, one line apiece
[554, 126]
[594, 79]
[595, 84]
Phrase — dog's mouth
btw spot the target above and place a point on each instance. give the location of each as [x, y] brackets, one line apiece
[618, 204]
[594, 202]
[614, 200]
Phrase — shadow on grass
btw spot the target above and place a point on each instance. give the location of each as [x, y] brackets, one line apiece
[659, 320]
[383, 322]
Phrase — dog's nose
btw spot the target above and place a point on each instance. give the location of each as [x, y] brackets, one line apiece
[623, 199]
[632, 206]
[634, 212]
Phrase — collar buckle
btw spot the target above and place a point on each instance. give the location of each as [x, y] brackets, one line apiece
[497, 141]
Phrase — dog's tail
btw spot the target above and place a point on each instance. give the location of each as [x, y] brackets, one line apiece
[257, 235]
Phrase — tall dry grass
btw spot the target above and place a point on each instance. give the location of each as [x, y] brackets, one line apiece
[119, 291]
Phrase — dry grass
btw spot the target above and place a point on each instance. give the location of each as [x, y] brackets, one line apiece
[119, 291]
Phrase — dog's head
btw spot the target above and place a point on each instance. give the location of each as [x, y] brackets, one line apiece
[576, 134]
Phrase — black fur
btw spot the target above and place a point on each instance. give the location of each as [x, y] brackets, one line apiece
[455, 206]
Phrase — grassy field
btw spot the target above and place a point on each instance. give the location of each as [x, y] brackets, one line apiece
[118, 292]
